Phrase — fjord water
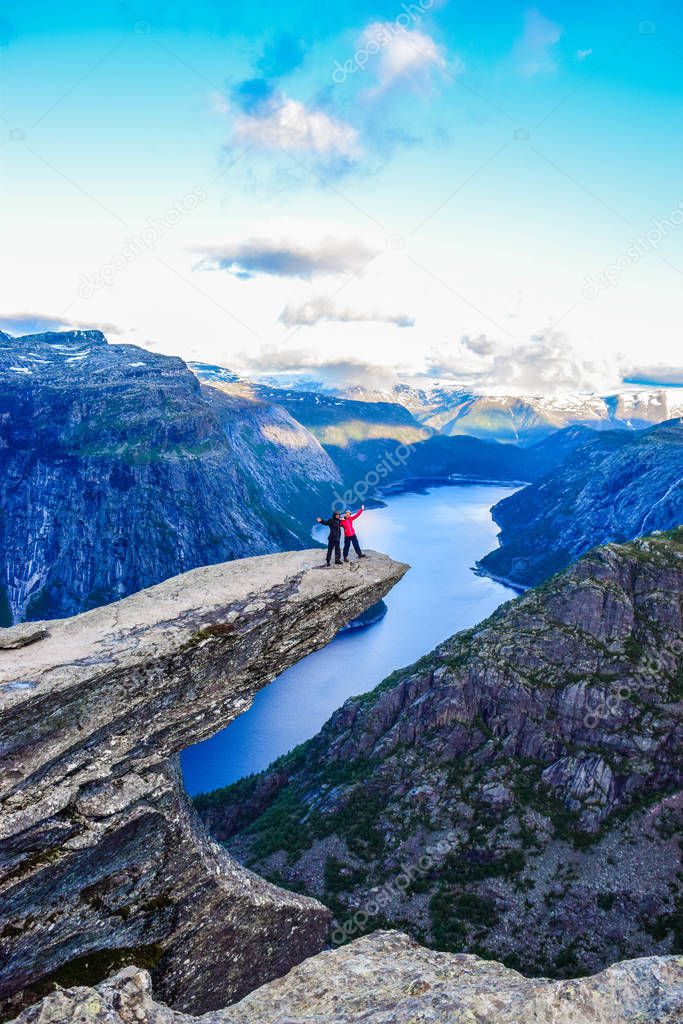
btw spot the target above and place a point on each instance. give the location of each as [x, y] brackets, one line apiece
[440, 532]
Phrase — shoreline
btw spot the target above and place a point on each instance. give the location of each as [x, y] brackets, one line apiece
[455, 480]
[519, 588]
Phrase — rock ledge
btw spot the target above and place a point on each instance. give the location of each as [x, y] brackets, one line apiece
[102, 860]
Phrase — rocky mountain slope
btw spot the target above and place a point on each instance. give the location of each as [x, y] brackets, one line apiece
[517, 793]
[387, 979]
[453, 409]
[613, 487]
[102, 862]
[117, 471]
[383, 441]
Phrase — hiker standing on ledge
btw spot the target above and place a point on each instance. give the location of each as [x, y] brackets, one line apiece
[350, 533]
[333, 541]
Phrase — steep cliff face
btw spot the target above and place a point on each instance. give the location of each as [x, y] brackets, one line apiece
[387, 979]
[517, 793]
[102, 860]
[380, 443]
[614, 487]
[116, 472]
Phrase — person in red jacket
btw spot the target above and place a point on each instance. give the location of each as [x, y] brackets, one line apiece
[350, 533]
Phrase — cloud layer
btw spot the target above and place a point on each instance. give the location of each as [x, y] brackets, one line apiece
[403, 56]
[534, 51]
[335, 373]
[544, 365]
[319, 309]
[18, 324]
[278, 122]
[660, 374]
[258, 256]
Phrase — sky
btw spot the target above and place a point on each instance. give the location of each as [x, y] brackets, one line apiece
[484, 193]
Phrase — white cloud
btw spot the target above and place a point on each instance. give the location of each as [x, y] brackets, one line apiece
[582, 54]
[402, 55]
[334, 373]
[319, 308]
[534, 51]
[18, 324]
[662, 374]
[545, 365]
[286, 124]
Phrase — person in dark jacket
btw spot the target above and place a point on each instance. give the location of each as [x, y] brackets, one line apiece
[333, 541]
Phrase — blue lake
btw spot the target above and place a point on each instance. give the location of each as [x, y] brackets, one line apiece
[440, 532]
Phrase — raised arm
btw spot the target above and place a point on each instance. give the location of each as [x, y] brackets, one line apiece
[358, 513]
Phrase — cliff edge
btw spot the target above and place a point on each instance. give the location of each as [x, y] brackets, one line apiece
[103, 862]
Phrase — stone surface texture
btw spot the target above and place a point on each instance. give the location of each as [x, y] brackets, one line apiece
[102, 859]
[386, 978]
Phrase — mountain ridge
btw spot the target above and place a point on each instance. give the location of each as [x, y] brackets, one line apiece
[117, 470]
[613, 487]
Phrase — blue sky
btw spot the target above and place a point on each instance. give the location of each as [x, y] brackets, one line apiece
[370, 186]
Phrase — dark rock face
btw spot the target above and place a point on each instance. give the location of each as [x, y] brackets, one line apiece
[102, 860]
[517, 793]
[117, 471]
[615, 487]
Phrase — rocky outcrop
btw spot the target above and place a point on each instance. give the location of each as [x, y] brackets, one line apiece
[614, 487]
[102, 860]
[517, 793]
[118, 471]
[388, 979]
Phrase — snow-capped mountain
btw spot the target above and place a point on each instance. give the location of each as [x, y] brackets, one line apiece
[451, 410]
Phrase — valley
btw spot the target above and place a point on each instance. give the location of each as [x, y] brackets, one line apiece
[439, 532]
[516, 793]
[512, 796]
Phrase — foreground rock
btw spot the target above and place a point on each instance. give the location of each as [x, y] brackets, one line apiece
[102, 862]
[388, 979]
[22, 635]
[518, 793]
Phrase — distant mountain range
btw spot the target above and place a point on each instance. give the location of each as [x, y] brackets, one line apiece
[527, 420]
[455, 409]
[612, 487]
[383, 443]
[117, 470]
